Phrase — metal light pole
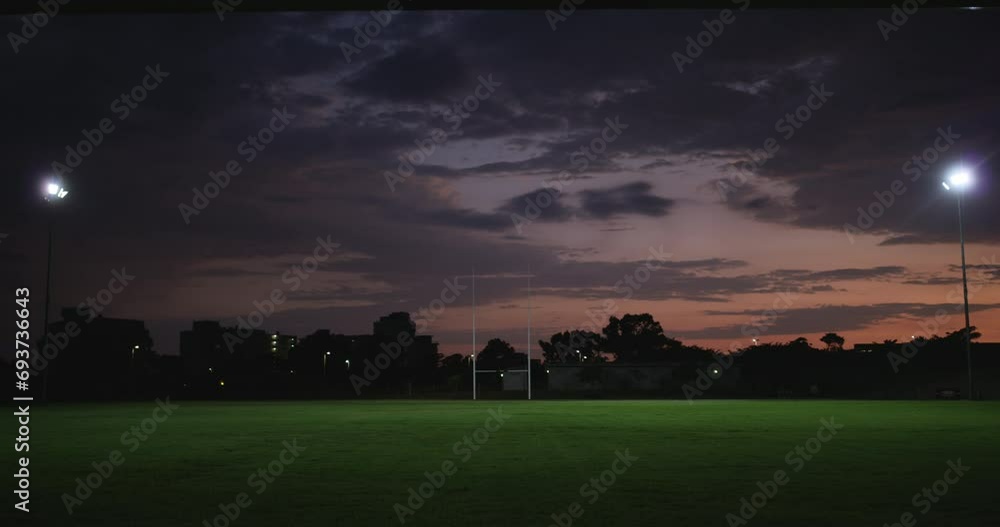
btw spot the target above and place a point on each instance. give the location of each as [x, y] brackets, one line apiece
[131, 371]
[965, 295]
[45, 316]
[53, 192]
[473, 333]
[960, 179]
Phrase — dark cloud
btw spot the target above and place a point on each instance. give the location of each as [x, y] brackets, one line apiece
[425, 72]
[633, 198]
[822, 319]
[832, 275]
[548, 203]
[325, 174]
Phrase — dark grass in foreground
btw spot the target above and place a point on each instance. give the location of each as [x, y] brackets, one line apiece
[695, 462]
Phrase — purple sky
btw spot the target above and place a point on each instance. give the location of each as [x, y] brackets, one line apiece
[644, 157]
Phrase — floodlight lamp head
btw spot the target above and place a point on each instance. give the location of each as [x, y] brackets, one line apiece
[959, 179]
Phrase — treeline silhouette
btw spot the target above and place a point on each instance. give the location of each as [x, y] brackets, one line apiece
[97, 358]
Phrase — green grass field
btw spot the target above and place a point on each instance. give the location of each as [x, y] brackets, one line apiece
[695, 462]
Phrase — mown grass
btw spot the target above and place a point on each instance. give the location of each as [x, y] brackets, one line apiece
[695, 462]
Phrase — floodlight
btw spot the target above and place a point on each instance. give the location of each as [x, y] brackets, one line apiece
[55, 190]
[959, 178]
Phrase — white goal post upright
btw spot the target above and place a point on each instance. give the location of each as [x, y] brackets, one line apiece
[473, 333]
[530, 302]
[476, 371]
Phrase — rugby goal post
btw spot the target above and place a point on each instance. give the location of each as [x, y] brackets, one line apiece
[475, 370]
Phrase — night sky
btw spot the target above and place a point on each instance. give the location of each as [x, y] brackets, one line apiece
[674, 178]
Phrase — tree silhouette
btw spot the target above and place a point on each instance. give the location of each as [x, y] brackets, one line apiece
[572, 346]
[833, 341]
[497, 348]
[637, 338]
[499, 354]
[959, 335]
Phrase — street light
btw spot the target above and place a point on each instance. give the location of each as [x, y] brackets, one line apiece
[348, 363]
[53, 192]
[958, 180]
[326, 356]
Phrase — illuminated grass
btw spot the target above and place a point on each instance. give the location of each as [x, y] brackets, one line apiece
[695, 462]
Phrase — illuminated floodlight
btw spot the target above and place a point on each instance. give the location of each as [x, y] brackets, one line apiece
[959, 179]
[54, 190]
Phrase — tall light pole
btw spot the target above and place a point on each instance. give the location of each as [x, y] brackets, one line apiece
[473, 355]
[325, 357]
[131, 371]
[959, 180]
[53, 192]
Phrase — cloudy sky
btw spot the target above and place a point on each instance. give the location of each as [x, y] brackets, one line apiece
[653, 165]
